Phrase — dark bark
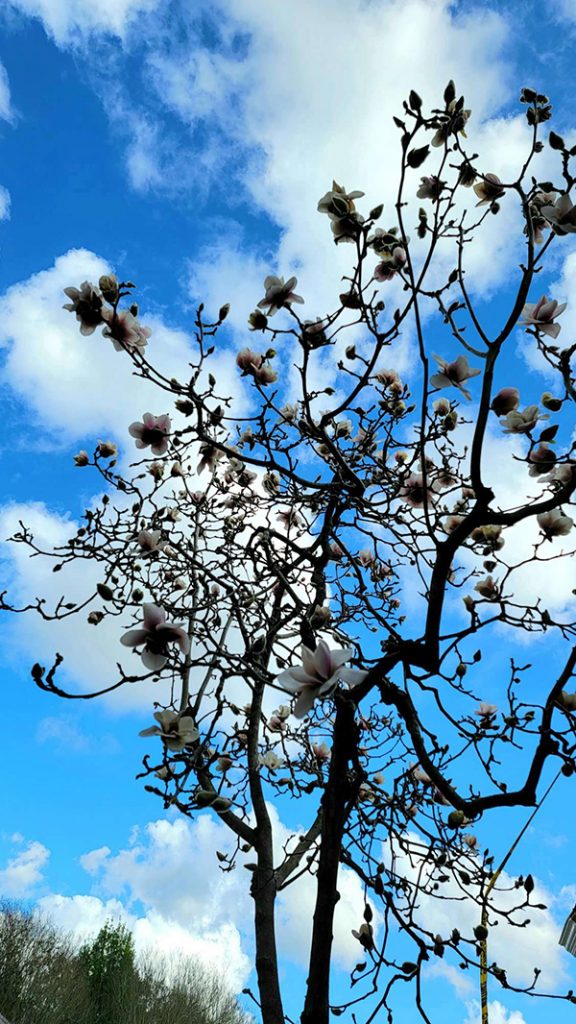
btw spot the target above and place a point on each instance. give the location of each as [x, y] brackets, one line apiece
[339, 796]
[264, 894]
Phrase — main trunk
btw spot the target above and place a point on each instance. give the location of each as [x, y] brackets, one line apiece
[338, 799]
[264, 893]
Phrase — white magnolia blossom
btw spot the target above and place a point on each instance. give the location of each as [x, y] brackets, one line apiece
[505, 401]
[279, 293]
[270, 760]
[561, 215]
[453, 374]
[542, 314]
[338, 202]
[87, 305]
[486, 711]
[177, 731]
[154, 636]
[555, 523]
[488, 588]
[319, 674]
[489, 189]
[522, 422]
[153, 431]
[150, 540]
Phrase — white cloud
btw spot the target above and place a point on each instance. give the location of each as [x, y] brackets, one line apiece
[64, 735]
[69, 22]
[24, 871]
[498, 1014]
[4, 203]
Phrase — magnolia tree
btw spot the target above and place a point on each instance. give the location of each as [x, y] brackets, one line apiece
[268, 568]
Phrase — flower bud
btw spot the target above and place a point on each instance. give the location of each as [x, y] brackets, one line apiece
[549, 402]
[108, 285]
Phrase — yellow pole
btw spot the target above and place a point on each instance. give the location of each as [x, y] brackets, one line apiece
[484, 919]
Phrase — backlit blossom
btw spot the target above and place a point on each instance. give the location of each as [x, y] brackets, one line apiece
[430, 188]
[561, 215]
[338, 202]
[279, 293]
[365, 935]
[522, 422]
[542, 315]
[154, 636]
[488, 588]
[87, 305]
[489, 189]
[505, 401]
[486, 711]
[82, 459]
[319, 674]
[321, 752]
[125, 331]
[152, 431]
[270, 760]
[541, 459]
[177, 731]
[453, 374]
[554, 523]
[150, 540]
[414, 492]
[209, 456]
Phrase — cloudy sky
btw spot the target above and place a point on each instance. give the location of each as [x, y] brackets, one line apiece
[185, 147]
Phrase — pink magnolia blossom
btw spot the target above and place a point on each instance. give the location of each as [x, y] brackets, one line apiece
[124, 330]
[505, 401]
[279, 293]
[153, 431]
[321, 752]
[177, 731]
[150, 540]
[154, 636]
[542, 315]
[87, 305]
[542, 459]
[319, 674]
[453, 374]
[415, 493]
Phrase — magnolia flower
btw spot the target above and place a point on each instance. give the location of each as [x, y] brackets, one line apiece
[441, 406]
[314, 333]
[365, 935]
[107, 449]
[471, 841]
[289, 412]
[486, 710]
[87, 305]
[489, 535]
[343, 428]
[453, 374]
[155, 634]
[518, 422]
[153, 431]
[270, 760]
[414, 492]
[541, 459]
[554, 523]
[488, 588]
[542, 314]
[421, 776]
[507, 400]
[452, 523]
[224, 763]
[156, 470]
[279, 293]
[177, 731]
[561, 215]
[124, 330]
[320, 673]
[489, 189]
[431, 188]
[82, 458]
[338, 202]
[567, 700]
[150, 540]
[389, 378]
[209, 456]
[321, 752]
[390, 263]
[289, 518]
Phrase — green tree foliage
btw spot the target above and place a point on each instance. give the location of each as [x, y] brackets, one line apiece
[44, 979]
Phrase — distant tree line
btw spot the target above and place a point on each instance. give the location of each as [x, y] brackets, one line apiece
[46, 979]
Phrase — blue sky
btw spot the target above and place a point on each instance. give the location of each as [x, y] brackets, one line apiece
[187, 153]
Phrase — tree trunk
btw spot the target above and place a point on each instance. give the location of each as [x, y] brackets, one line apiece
[264, 893]
[338, 799]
